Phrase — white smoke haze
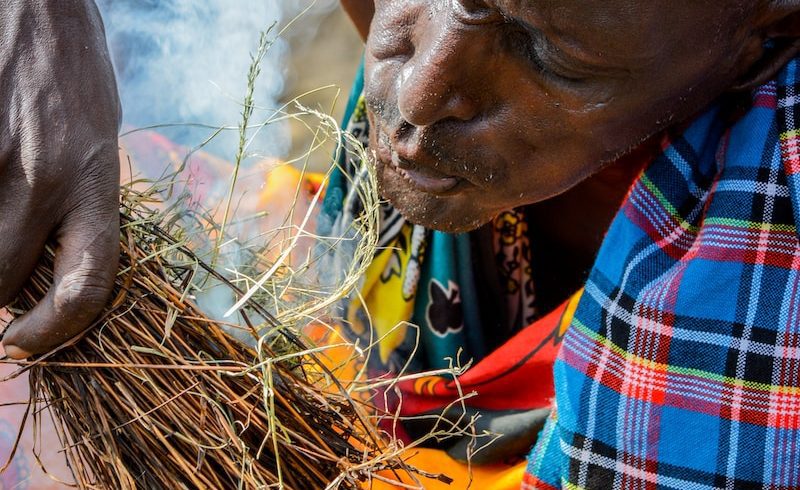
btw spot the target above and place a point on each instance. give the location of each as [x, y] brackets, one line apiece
[185, 61]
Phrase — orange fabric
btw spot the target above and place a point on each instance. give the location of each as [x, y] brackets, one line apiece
[494, 477]
[497, 375]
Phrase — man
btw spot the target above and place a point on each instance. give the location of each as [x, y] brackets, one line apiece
[680, 367]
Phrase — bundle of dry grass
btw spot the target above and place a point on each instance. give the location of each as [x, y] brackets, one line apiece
[158, 395]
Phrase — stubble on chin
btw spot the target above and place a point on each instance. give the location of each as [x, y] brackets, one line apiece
[446, 214]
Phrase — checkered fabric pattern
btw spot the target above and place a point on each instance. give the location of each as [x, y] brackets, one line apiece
[681, 368]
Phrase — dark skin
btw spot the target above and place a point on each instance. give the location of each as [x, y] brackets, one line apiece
[361, 13]
[480, 106]
[59, 166]
[476, 107]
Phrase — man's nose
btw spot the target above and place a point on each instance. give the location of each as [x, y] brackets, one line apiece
[437, 83]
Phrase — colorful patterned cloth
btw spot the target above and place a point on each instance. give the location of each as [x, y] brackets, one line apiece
[494, 383]
[430, 301]
[681, 368]
[427, 278]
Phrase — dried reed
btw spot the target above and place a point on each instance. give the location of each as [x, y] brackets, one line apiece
[158, 395]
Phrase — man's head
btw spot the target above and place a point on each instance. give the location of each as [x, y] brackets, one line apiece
[478, 106]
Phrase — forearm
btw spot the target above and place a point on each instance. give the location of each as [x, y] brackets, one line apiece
[49, 15]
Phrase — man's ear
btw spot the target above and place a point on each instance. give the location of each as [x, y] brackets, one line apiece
[778, 24]
[360, 12]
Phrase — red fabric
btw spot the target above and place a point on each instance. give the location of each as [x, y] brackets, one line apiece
[530, 482]
[518, 375]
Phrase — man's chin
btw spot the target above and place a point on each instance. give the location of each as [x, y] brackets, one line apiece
[447, 226]
[448, 214]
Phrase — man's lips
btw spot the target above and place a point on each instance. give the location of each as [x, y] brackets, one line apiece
[423, 178]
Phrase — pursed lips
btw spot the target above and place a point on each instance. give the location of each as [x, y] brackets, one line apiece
[413, 167]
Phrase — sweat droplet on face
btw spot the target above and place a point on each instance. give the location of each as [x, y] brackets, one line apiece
[405, 75]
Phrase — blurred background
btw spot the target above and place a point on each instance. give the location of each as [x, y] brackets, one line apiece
[182, 62]
[182, 69]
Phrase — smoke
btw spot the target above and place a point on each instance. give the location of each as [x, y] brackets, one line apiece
[185, 61]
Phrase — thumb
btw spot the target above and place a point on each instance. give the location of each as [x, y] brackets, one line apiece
[87, 255]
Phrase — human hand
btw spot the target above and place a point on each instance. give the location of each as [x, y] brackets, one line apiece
[59, 166]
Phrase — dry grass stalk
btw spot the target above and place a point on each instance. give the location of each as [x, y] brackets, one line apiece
[158, 395]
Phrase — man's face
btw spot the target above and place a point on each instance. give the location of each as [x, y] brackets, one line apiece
[478, 106]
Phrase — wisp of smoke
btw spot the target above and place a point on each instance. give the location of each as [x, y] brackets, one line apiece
[182, 61]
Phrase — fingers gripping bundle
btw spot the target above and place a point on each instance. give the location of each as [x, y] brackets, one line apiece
[159, 395]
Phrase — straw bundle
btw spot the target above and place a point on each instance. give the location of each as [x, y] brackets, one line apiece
[158, 395]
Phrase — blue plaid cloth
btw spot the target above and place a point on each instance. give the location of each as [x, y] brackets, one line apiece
[681, 368]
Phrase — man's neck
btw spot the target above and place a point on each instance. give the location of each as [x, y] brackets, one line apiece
[567, 230]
